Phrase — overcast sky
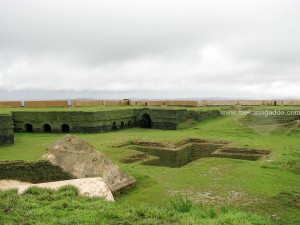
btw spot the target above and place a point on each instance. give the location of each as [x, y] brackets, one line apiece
[56, 49]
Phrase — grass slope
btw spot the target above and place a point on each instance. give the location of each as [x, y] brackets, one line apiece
[64, 206]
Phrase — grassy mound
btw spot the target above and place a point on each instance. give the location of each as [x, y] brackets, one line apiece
[64, 206]
[273, 124]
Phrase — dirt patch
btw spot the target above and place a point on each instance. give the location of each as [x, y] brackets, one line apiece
[208, 197]
[272, 124]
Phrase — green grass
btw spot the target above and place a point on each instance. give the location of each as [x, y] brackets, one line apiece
[64, 206]
[254, 186]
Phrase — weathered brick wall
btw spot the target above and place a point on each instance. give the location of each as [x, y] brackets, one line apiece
[291, 102]
[131, 102]
[181, 103]
[140, 102]
[77, 103]
[155, 103]
[219, 102]
[37, 104]
[6, 130]
[10, 103]
[268, 102]
[278, 102]
[111, 102]
[250, 102]
[124, 102]
[236, 102]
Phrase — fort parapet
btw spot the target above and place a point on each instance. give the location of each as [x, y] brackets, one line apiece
[125, 102]
[219, 102]
[181, 103]
[77, 103]
[44, 104]
[155, 103]
[10, 104]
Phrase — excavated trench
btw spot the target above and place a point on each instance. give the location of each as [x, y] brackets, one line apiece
[170, 154]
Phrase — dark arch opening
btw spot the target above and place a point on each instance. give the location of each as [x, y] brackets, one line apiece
[29, 128]
[129, 123]
[146, 121]
[122, 125]
[114, 126]
[65, 128]
[47, 128]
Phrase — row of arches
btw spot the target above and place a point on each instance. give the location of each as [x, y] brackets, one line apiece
[122, 125]
[65, 128]
[145, 122]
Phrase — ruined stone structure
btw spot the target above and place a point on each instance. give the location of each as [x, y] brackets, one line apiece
[95, 122]
[75, 122]
[70, 161]
[82, 160]
[179, 154]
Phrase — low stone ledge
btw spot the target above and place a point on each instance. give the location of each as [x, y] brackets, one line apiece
[90, 187]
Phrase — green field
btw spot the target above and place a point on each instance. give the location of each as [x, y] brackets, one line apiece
[269, 187]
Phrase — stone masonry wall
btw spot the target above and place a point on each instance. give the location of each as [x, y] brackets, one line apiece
[37, 104]
[11, 104]
[6, 130]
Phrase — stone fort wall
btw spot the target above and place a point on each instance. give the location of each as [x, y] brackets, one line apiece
[94, 122]
[38, 104]
[6, 130]
[189, 103]
[10, 103]
[250, 102]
